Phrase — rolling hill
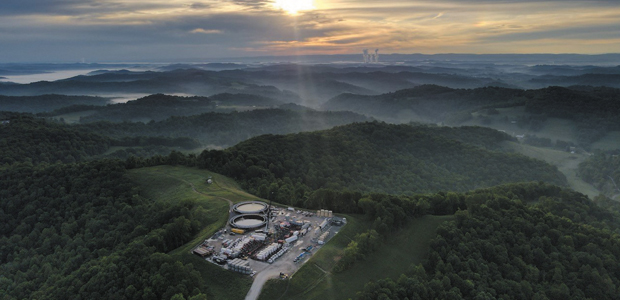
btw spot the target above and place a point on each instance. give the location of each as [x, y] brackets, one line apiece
[374, 157]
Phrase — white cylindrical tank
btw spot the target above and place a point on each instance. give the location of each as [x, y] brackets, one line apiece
[291, 239]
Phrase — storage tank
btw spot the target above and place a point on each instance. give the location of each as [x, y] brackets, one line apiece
[329, 214]
[291, 239]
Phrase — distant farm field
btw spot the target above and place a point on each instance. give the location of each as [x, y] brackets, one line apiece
[314, 280]
[566, 162]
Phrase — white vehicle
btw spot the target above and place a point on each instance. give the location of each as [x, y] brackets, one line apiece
[252, 274]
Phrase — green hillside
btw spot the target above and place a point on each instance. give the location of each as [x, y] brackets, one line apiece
[226, 129]
[505, 247]
[373, 157]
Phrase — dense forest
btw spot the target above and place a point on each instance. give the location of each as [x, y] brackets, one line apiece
[561, 247]
[46, 103]
[373, 157]
[603, 171]
[82, 231]
[24, 137]
[227, 129]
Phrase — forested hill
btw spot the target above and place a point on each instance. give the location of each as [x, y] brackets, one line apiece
[26, 138]
[160, 107]
[227, 129]
[373, 157]
[594, 110]
[43, 103]
[429, 103]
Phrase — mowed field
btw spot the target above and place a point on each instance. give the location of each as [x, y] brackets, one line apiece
[177, 184]
[408, 247]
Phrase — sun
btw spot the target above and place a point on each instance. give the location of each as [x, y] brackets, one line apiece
[292, 7]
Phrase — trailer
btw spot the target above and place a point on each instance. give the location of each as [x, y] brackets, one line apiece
[238, 231]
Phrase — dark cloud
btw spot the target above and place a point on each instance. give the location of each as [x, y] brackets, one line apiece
[252, 4]
[74, 7]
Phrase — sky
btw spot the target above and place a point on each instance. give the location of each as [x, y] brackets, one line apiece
[139, 30]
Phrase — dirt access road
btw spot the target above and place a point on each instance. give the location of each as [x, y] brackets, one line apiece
[272, 271]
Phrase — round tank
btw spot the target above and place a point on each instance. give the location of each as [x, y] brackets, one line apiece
[250, 207]
[251, 221]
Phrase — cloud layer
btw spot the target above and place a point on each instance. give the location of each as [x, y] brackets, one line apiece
[125, 30]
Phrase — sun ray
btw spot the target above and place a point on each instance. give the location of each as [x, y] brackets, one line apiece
[293, 7]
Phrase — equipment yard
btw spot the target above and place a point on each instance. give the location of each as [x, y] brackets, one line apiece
[268, 242]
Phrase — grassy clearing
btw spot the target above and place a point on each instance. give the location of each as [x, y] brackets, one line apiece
[610, 141]
[566, 163]
[222, 187]
[174, 184]
[314, 281]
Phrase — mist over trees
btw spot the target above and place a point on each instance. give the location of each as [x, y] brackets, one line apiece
[74, 225]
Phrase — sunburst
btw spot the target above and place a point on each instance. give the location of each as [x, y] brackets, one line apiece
[293, 7]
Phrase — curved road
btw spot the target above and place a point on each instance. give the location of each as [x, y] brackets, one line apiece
[272, 271]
